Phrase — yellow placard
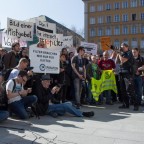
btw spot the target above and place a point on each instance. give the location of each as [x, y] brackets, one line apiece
[105, 43]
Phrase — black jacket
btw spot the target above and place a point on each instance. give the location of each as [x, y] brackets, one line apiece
[43, 95]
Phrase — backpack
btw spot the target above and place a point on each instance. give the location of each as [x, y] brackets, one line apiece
[7, 73]
[3, 96]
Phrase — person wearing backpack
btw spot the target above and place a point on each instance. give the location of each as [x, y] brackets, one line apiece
[18, 100]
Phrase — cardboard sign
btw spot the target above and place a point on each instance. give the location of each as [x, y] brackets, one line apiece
[45, 30]
[8, 41]
[90, 48]
[56, 43]
[20, 29]
[44, 60]
[105, 43]
[67, 41]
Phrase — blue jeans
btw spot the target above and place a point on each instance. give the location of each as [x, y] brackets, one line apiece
[61, 109]
[19, 107]
[77, 88]
[3, 115]
[138, 88]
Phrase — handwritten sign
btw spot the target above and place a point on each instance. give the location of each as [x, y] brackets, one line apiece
[67, 41]
[45, 30]
[20, 29]
[7, 41]
[90, 48]
[44, 60]
[105, 43]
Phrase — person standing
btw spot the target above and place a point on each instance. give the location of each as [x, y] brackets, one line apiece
[127, 73]
[78, 73]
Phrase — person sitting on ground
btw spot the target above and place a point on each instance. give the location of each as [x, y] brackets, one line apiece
[3, 115]
[44, 94]
[18, 100]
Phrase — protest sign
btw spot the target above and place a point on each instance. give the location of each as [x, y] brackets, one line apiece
[20, 29]
[7, 41]
[45, 30]
[44, 60]
[90, 48]
[55, 43]
[67, 41]
[105, 43]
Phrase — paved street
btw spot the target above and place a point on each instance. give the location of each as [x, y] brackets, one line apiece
[109, 126]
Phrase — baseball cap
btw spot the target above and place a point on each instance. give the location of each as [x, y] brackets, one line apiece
[124, 45]
[45, 77]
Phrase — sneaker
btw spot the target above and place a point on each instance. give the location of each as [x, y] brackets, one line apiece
[88, 114]
[109, 103]
[77, 106]
[123, 107]
[53, 114]
[136, 108]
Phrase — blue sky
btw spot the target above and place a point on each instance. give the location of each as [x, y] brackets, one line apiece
[67, 12]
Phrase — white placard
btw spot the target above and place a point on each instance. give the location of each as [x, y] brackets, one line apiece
[45, 30]
[20, 29]
[7, 41]
[56, 43]
[67, 41]
[90, 48]
[44, 60]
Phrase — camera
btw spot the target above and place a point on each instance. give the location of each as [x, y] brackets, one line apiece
[116, 49]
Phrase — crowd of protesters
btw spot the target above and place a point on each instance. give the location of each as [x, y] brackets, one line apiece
[56, 94]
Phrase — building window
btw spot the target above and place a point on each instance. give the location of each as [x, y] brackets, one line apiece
[142, 16]
[142, 28]
[108, 19]
[117, 5]
[100, 8]
[108, 31]
[125, 30]
[134, 43]
[125, 18]
[133, 17]
[108, 6]
[116, 18]
[92, 32]
[133, 29]
[100, 19]
[92, 20]
[133, 3]
[125, 4]
[142, 43]
[100, 32]
[92, 8]
[141, 2]
[117, 30]
[116, 43]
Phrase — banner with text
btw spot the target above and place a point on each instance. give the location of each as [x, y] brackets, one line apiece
[7, 41]
[90, 48]
[56, 43]
[20, 29]
[67, 41]
[45, 30]
[44, 60]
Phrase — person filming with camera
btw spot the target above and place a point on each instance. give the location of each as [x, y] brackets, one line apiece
[127, 71]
